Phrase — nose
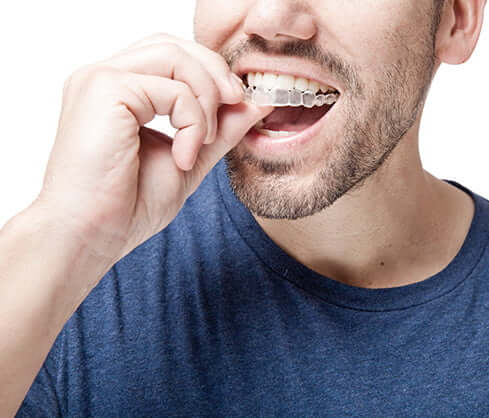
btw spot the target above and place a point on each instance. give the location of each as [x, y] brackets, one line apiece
[280, 20]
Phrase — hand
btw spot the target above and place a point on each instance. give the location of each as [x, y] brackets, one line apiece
[116, 183]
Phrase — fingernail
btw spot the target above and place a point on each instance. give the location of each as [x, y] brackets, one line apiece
[237, 84]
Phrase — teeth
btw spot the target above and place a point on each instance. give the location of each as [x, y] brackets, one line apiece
[269, 80]
[313, 87]
[251, 79]
[308, 99]
[267, 89]
[280, 97]
[275, 134]
[258, 79]
[286, 82]
[330, 98]
[301, 84]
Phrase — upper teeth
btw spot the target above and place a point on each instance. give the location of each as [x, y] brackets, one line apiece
[286, 82]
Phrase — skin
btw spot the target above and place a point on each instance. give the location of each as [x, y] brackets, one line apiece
[368, 220]
[356, 205]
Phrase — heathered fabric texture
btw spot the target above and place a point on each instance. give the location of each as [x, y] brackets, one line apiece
[211, 318]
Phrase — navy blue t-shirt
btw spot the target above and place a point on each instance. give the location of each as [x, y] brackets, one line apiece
[211, 318]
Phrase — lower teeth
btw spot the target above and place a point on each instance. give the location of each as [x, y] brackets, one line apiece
[279, 97]
[275, 134]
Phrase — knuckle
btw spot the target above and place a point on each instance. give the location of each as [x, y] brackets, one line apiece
[196, 117]
[78, 76]
[94, 75]
[149, 38]
[96, 79]
[184, 90]
[162, 35]
[157, 35]
[101, 74]
[79, 72]
[73, 80]
[171, 49]
[186, 96]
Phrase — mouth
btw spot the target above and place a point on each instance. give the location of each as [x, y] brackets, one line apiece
[299, 103]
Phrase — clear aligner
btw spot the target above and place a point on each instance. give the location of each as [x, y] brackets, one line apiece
[280, 97]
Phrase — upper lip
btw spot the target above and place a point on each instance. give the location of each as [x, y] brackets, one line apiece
[290, 66]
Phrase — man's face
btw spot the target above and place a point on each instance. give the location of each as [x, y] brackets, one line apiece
[380, 55]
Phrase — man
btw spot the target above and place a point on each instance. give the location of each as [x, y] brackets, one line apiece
[270, 260]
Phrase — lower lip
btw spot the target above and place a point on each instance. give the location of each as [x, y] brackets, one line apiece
[265, 144]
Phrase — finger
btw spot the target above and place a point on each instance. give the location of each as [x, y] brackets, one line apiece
[154, 60]
[156, 164]
[213, 61]
[145, 41]
[153, 95]
[234, 122]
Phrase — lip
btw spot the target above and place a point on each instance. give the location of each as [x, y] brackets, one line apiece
[265, 145]
[256, 63]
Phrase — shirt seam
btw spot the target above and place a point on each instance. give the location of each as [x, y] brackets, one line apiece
[273, 270]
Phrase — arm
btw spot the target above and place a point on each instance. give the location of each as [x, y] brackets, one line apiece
[113, 182]
[45, 274]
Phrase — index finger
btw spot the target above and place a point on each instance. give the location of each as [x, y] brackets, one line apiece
[170, 61]
[214, 62]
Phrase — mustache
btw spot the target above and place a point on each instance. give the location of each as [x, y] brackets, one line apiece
[306, 50]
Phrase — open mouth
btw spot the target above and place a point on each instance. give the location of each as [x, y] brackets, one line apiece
[299, 103]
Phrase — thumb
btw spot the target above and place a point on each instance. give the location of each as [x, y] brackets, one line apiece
[234, 121]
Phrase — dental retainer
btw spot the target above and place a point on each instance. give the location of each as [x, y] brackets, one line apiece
[261, 96]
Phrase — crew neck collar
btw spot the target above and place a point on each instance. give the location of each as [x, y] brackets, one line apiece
[343, 295]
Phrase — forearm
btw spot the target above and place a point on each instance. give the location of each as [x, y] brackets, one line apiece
[45, 274]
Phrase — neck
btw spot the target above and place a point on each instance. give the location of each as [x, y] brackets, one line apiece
[401, 226]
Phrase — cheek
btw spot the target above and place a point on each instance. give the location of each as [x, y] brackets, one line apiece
[216, 20]
[373, 33]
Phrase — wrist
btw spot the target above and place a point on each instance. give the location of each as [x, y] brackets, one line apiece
[57, 259]
[85, 235]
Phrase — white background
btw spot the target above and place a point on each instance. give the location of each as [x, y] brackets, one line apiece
[42, 43]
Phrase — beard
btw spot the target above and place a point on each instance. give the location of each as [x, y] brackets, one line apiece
[376, 119]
